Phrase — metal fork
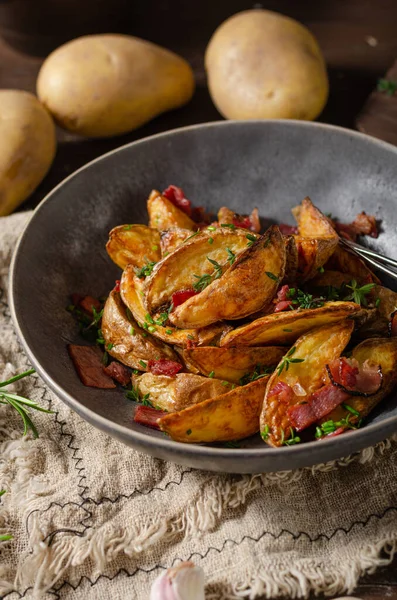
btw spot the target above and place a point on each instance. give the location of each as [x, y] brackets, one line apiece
[373, 258]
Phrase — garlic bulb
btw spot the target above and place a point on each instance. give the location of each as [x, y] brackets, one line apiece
[184, 582]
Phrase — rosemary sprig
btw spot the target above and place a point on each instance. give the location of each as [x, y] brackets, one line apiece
[21, 404]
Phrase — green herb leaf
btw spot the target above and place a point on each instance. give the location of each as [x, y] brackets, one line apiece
[287, 360]
[377, 302]
[292, 440]
[358, 294]
[388, 86]
[146, 270]
[259, 372]
[192, 236]
[110, 346]
[210, 240]
[211, 228]
[230, 225]
[143, 364]
[188, 432]
[127, 227]
[202, 282]
[352, 410]
[251, 238]
[271, 276]
[212, 374]
[231, 257]
[168, 331]
[265, 432]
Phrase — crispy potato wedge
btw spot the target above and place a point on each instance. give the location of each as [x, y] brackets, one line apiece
[313, 351]
[346, 261]
[172, 238]
[177, 270]
[164, 215]
[285, 327]
[378, 323]
[246, 287]
[125, 340]
[311, 221]
[131, 293]
[177, 393]
[133, 244]
[227, 215]
[231, 364]
[377, 351]
[313, 253]
[332, 278]
[231, 416]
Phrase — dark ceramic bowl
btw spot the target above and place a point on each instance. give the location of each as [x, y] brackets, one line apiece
[269, 164]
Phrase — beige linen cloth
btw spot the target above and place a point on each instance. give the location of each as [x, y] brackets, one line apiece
[93, 519]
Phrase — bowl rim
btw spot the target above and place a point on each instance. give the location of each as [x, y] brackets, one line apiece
[382, 428]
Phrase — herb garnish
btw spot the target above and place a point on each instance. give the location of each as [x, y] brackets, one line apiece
[192, 236]
[146, 270]
[258, 373]
[387, 85]
[230, 225]
[272, 276]
[212, 374]
[358, 293]
[330, 426]
[301, 299]
[287, 360]
[21, 404]
[143, 364]
[251, 238]
[293, 439]
[352, 410]
[134, 394]
[188, 432]
[265, 432]
[231, 257]
[203, 281]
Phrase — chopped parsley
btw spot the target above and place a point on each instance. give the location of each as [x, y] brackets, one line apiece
[212, 374]
[127, 227]
[134, 394]
[146, 270]
[210, 240]
[265, 432]
[330, 426]
[230, 225]
[287, 360]
[110, 346]
[168, 331]
[352, 410]
[292, 440]
[377, 303]
[143, 364]
[211, 228]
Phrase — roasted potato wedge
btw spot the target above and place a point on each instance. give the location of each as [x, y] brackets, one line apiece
[164, 215]
[346, 261]
[231, 364]
[177, 270]
[133, 244]
[228, 216]
[378, 323]
[313, 253]
[377, 351]
[172, 238]
[292, 259]
[332, 278]
[231, 416]
[246, 287]
[177, 393]
[311, 221]
[305, 367]
[286, 327]
[125, 340]
[131, 293]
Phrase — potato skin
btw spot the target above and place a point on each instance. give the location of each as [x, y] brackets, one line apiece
[106, 85]
[28, 146]
[263, 65]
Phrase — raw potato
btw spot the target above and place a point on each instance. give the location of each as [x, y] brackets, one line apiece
[231, 364]
[133, 244]
[316, 349]
[177, 393]
[28, 146]
[131, 293]
[130, 346]
[232, 416]
[105, 85]
[164, 215]
[176, 271]
[286, 327]
[263, 65]
[246, 287]
[377, 351]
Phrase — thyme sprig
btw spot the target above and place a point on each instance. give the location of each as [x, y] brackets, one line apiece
[21, 404]
[203, 281]
[301, 299]
[146, 270]
[287, 360]
[358, 294]
[259, 372]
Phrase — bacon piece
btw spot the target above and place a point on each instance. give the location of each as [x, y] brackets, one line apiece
[164, 367]
[283, 305]
[282, 293]
[288, 229]
[365, 225]
[301, 416]
[176, 195]
[334, 433]
[145, 415]
[346, 230]
[118, 372]
[181, 296]
[250, 222]
[283, 391]
[116, 285]
[88, 364]
[87, 303]
[358, 380]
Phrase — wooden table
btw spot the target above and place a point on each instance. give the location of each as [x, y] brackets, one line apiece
[358, 38]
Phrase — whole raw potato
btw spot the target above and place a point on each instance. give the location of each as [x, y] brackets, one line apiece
[27, 147]
[263, 65]
[105, 85]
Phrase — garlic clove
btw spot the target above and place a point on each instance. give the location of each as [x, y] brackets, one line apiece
[184, 582]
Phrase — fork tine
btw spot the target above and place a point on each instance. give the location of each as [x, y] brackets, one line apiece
[375, 263]
[368, 252]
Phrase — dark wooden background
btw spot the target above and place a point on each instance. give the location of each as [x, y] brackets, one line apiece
[358, 38]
